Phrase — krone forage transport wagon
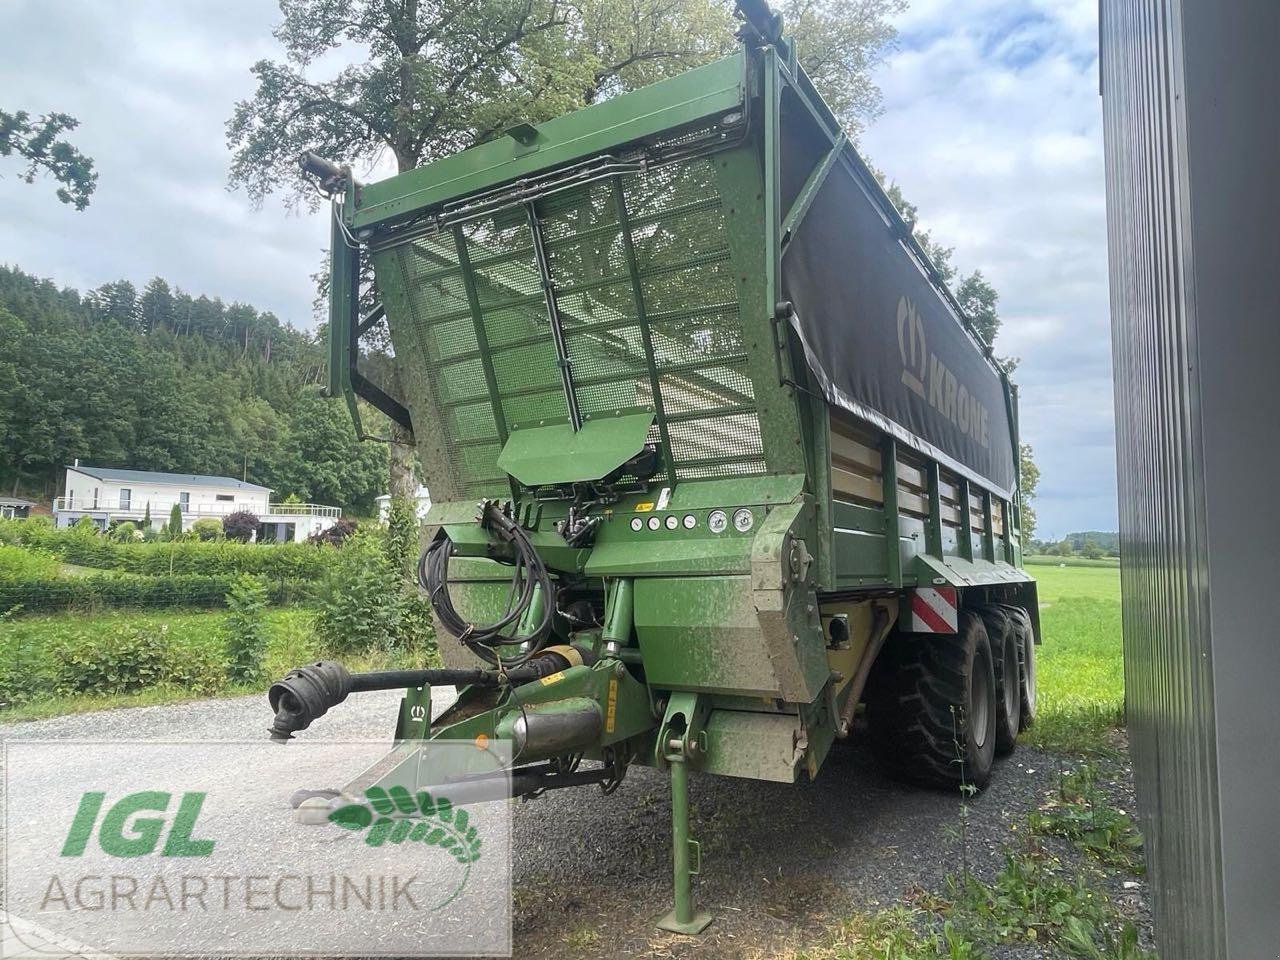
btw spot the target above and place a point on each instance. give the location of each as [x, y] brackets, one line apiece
[717, 463]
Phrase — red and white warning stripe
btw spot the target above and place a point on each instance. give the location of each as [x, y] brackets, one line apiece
[935, 610]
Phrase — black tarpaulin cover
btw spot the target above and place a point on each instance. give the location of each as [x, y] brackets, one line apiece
[883, 342]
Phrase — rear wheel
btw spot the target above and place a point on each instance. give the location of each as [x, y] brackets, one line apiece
[931, 706]
[1006, 658]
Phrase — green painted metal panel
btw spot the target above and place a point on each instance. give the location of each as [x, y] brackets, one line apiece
[702, 634]
[662, 556]
[555, 453]
[669, 104]
[741, 491]
[958, 572]
[761, 746]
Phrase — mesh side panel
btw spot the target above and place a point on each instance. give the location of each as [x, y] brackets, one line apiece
[687, 293]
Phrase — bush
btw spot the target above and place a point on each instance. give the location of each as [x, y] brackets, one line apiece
[246, 629]
[42, 594]
[207, 529]
[11, 530]
[241, 526]
[126, 531]
[118, 661]
[126, 659]
[336, 535]
[196, 668]
[366, 604]
[18, 681]
[275, 561]
[19, 562]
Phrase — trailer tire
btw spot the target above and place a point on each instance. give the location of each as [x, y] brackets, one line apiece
[931, 706]
[1006, 655]
[1023, 630]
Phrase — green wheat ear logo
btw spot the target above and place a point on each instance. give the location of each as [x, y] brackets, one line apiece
[421, 818]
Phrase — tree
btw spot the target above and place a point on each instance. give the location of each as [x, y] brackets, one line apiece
[241, 526]
[174, 527]
[38, 142]
[1029, 479]
[157, 306]
[978, 299]
[118, 302]
[840, 43]
[441, 76]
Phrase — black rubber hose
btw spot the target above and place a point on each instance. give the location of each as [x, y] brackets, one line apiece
[529, 576]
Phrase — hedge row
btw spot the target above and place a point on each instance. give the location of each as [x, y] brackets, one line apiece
[276, 561]
[22, 595]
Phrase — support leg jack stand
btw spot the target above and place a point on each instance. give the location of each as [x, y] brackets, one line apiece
[687, 857]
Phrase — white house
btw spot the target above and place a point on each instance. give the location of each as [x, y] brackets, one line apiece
[424, 504]
[105, 494]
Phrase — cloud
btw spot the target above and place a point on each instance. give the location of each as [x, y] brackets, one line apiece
[992, 127]
[152, 84]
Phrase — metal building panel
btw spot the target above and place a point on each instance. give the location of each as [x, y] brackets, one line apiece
[1192, 140]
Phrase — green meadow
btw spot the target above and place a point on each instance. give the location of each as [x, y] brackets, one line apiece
[1080, 664]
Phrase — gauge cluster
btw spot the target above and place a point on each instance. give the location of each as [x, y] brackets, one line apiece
[717, 521]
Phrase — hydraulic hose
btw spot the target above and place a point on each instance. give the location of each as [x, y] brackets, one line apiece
[529, 581]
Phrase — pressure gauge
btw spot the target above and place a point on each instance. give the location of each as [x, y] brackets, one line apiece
[717, 521]
[654, 523]
[690, 521]
[743, 520]
[672, 521]
[637, 524]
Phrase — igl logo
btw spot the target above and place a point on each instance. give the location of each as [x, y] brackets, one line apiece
[933, 382]
[124, 834]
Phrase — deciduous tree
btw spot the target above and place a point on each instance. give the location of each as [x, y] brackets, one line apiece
[38, 141]
[431, 77]
[1030, 479]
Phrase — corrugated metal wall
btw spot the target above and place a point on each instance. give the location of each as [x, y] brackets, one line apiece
[1190, 93]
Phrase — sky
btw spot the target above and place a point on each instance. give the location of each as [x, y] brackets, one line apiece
[991, 126]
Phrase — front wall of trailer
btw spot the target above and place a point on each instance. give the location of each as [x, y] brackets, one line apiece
[656, 280]
[1191, 143]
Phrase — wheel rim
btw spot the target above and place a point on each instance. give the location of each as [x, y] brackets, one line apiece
[979, 702]
[1012, 691]
[1029, 670]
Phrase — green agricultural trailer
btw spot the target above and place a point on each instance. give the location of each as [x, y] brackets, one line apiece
[721, 472]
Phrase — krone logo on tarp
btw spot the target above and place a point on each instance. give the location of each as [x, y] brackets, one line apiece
[932, 380]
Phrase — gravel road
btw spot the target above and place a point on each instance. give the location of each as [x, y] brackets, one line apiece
[591, 872]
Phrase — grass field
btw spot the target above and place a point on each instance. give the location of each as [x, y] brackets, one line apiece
[1080, 665]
